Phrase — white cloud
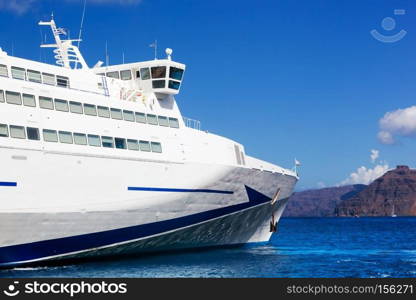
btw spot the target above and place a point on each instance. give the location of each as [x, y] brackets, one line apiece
[22, 6]
[374, 155]
[17, 6]
[365, 175]
[401, 122]
[321, 184]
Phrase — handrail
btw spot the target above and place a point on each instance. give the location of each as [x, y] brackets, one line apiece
[192, 123]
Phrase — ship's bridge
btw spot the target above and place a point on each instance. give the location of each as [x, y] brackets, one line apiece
[161, 76]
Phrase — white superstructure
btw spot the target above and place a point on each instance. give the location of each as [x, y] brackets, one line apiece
[99, 161]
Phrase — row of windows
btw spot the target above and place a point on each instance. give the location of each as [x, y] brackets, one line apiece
[151, 73]
[34, 76]
[87, 109]
[66, 137]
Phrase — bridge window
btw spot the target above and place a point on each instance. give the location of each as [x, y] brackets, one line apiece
[45, 102]
[116, 114]
[144, 146]
[158, 84]
[173, 122]
[103, 111]
[140, 117]
[13, 98]
[120, 143]
[80, 139]
[34, 76]
[33, 134]
[174, 85]
[29, 100]
[145, 73]
[65, 137]
[163, 121]
[1, 96]
[18, 73]
[17, 132]
[128, 115]
[113, 74]
[3, 71]
[156, 147]
[158, 72]
[62, 81]
[175, 73]
[4, 130]
[108, 142]
[75, 107]
[61, 105]
[50, 136]
[90, 110]
[94, 140]
[48, 78]
[137, 74]
[125, 75]
[152, 119]
[131, 145]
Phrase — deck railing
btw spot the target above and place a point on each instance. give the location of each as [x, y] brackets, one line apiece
[191, 123]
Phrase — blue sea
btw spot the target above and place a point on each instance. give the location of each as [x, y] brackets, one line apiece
[302, 247]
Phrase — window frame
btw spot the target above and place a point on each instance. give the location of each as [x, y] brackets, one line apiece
[78, 135]
[93, 136]
[130, 77]
[48, 82]
[20, 70]
[7, 134]
[175, 120]
[101, 109]
[90, 110]
[105, 141]
[22, 130]
[15, 94]
[4, 67]
[163, 118]
[147, 148]
[26, 103]
[36, 130]
[34, 79]
[127, 113]
[52, 133]
[61, 101]
[77, 104]
[131, 142]
[116, 110]
[156, 144]
[62, 134]
[42, 99]
[150, 120]
[122, 140]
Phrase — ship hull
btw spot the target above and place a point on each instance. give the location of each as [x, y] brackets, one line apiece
[216, 206]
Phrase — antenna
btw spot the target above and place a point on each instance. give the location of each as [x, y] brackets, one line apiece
[80, 28]
[106, 54]
[154, 45]
[123, 57]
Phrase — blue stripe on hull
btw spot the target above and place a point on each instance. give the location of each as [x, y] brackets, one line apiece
[7, 183]
[37, 250]
[151, 189]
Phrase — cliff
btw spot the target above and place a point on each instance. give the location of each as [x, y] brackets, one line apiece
[392, 193]
[321, 202]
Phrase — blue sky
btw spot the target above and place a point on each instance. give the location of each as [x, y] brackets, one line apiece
[286, 78]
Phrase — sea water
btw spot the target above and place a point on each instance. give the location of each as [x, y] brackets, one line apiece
[302, 247]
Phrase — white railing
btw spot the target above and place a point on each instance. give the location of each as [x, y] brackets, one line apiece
[191, 123]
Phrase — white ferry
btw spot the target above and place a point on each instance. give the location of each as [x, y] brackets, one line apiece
[99, 162]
